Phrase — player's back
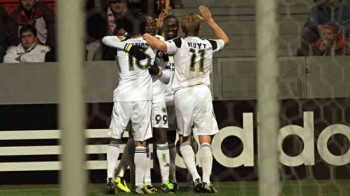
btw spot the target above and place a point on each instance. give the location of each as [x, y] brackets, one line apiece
[135, 83]
[193, 62]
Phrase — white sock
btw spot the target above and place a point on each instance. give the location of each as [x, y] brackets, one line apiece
[163, 159]
[140, 165]
[189, 159]
[126, 160]
[112, 159]
[206, 158]
[147, 179]
[172, 167]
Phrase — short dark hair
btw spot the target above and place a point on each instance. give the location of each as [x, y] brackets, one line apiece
[28, 28]
[134, 22]
[171, 17]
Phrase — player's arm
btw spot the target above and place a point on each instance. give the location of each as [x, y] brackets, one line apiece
[115, 42]
[155, 42]
[207, 17]
[170, 46]
[162, 74]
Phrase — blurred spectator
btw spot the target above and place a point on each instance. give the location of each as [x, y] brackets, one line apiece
[8, 34]
[29, 50]
[38, 14]
[149, 7]
[331, 43]
[176, 4]
[96, 29]
[115, 11]
[335, 11]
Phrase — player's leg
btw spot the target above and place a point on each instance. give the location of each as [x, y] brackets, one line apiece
[120, 117]
[171, 135]
[206, 158]
[112, 159]
[184, 105]
[162, 151]
[147, 182]
[206, 127]
[141, 125]
[125, 162]
[160, 126]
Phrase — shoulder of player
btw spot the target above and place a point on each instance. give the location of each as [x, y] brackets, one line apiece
[212, 42]
[178, 41]
[139, 41]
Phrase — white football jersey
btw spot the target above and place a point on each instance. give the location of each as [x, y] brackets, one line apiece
[135, 83]
[158, 86]
[169, 92]
[193, 60]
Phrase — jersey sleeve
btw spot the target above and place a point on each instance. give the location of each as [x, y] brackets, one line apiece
[173, 45]
[217, 44]
[114, 41]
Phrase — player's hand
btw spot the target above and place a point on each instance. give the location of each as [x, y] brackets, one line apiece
[160, 19]
[154, 70]
[135, 51]
[205, 12]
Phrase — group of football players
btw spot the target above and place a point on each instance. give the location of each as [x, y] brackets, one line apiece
[164, 85]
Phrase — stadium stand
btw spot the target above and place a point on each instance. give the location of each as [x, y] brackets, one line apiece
[237, 18]
[11, 5]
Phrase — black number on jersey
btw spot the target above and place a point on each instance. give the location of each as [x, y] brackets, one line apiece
[194, 57]
[133, 61]
[158, 118]
[171, 62]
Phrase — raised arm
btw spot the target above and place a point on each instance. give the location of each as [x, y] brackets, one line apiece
[160, 21]
[207, 17]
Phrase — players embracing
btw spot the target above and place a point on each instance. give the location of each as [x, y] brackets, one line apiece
[189, 60]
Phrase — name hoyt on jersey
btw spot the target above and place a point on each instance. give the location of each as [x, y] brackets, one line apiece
[196, 45]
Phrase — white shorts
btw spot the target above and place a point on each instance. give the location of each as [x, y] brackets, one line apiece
[159, 115]
[138, 112]
[171, 117]
[193, 107]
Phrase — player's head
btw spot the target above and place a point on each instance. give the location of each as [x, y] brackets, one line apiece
[151, 26]
[190, 24]
[134, 22]
[28, 36]
[170, 27]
